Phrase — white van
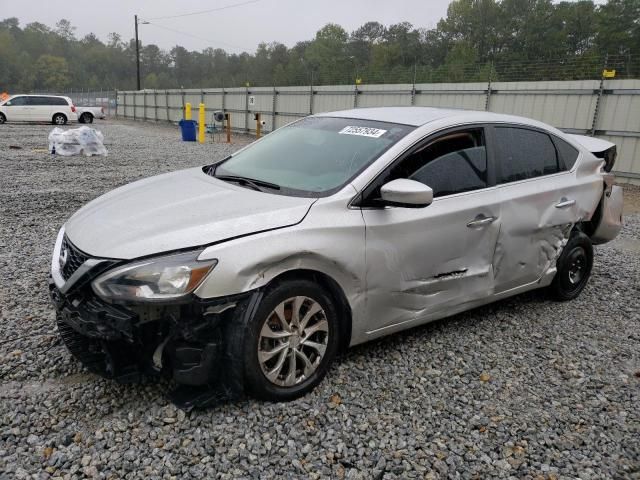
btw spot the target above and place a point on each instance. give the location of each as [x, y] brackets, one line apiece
[38, 108]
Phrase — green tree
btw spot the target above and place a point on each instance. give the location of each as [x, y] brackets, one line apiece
[52, 72]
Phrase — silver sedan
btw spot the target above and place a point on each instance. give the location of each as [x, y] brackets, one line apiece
[250, 275]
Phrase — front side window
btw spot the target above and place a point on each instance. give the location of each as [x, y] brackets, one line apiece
[18, 101]
[524, 154]
[455, 162]
[314, 156]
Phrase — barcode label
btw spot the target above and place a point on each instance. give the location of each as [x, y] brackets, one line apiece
[363, 131]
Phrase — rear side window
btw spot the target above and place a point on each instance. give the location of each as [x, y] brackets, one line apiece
[524, 154]
[58, 101]
[567, 153]
[38, 101]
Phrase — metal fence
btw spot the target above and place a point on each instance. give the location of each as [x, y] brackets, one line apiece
[606, 108]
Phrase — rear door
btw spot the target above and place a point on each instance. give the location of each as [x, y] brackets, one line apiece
[539, 196]
[425, 262]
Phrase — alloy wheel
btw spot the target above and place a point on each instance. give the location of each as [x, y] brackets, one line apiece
[293, 341]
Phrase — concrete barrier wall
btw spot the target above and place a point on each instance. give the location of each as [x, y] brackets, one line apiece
[609, 109]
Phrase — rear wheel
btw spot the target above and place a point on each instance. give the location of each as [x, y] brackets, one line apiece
[290, 342]
[574, 268]
[86, 118]
[59, 119]
[3, 119]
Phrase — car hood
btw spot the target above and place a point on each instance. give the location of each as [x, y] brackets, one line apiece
[183, 209]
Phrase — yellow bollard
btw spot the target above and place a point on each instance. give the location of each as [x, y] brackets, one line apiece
[201, 125]
[187, 111]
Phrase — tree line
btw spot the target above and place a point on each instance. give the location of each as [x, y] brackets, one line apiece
[477, 39]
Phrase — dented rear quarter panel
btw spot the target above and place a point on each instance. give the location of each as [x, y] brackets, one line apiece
[534, 228]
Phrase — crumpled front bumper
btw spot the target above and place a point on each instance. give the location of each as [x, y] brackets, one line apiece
[183, 341]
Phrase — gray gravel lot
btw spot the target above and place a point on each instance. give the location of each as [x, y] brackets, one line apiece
[524, 388]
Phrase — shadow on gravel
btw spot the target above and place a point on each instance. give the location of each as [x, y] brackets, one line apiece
[200, 399]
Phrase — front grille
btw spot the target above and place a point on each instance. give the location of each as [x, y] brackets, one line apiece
[75, 258]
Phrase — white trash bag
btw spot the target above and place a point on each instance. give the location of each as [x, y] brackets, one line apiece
[76, 141]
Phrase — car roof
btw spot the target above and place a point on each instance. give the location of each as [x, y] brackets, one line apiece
[418, 116]
[37, 95]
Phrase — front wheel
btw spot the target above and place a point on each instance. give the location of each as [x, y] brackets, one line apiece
[574, 268]
[3, 119]
[290, 342]
[59, 119]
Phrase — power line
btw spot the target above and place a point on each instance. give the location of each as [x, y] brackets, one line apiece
[199, 38]
[226, 7]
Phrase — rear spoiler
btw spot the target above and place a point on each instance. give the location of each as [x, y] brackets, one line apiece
[600, 148]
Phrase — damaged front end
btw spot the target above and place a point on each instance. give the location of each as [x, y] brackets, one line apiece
[181, 340]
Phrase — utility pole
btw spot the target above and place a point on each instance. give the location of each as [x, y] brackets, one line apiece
[135, 17]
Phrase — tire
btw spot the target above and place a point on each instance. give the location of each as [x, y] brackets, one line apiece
[574, 268]
[59, 119]
[86, 118]
[3, 119]
[268, 376]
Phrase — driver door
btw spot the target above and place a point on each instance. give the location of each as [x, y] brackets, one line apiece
[17, 109]
[426, 263]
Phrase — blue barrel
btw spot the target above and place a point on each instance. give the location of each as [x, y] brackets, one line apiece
[188, 129]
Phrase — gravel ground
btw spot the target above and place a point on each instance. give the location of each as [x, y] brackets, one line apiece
[524, 388]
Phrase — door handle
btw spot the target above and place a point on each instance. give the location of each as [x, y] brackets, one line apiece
[564, 203]
[481, 222]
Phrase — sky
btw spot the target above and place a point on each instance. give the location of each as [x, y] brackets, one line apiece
[235, 29]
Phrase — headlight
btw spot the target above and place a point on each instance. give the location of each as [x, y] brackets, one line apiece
[155, 279]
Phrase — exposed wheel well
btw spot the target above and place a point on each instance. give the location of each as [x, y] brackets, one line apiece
[332, 287]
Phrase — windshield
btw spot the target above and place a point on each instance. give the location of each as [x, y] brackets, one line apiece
[315, 156]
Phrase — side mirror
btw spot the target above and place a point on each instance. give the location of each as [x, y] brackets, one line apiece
[403, 192]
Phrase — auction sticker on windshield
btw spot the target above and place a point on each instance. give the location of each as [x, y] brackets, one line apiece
[363, 131]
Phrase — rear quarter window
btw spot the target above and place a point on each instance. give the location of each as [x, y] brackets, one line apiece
[567, 153]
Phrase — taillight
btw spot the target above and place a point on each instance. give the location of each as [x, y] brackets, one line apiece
[73, 108]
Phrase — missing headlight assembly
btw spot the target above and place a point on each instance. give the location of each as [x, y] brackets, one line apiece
[140, 319]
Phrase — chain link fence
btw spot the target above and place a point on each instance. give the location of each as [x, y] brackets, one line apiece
[582, 95]
[588, 67]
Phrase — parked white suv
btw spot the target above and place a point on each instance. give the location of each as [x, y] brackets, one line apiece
[38, 108]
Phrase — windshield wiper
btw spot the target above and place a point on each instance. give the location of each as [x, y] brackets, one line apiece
[251, 182]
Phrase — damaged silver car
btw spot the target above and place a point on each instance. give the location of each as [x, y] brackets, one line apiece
[250, 275]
